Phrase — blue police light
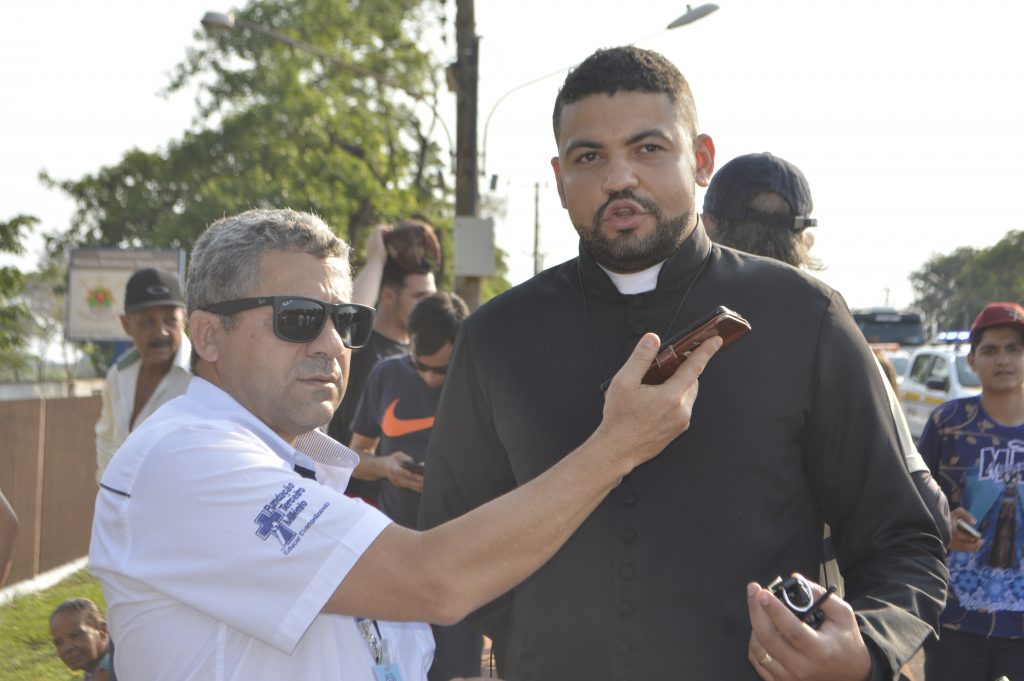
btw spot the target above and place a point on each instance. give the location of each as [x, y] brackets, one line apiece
[953, 337]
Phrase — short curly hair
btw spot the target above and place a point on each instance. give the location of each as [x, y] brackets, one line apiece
[627, 69]
[88, 611]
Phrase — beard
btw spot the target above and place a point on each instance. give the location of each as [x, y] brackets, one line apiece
[628, 252]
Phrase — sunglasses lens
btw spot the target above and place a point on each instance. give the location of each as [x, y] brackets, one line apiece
[354, 324]
[299, 320]
[420, 366]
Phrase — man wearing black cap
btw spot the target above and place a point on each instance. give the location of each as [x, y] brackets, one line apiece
[761, 204]
[152, 372]
[975, 447]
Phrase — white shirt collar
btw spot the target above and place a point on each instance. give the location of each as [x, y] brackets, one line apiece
[316, 445]
[632, 283]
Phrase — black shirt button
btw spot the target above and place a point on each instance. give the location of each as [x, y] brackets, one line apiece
[627, 571]
[636, 303]
[629, 498]
[628, 536]
[623, 648]
[638, 328]
[625, 609]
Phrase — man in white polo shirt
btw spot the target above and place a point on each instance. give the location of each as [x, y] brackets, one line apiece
[218, 561]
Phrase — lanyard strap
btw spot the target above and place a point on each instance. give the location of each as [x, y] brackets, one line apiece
[370, 632]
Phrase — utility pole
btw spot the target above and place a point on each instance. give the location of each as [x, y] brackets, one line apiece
[466, 70]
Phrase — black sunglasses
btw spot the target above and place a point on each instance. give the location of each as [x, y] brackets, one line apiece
[420, 366]
[299, 320]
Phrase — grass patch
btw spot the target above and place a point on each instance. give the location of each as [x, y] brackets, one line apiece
[25, 630]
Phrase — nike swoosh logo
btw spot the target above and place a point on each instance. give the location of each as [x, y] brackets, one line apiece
[392, 426]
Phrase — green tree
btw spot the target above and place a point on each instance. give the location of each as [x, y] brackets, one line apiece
[952, 289]
[15, 320]
[999, 270]
[352, 138]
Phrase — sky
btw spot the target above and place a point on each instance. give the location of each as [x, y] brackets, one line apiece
[904, 115]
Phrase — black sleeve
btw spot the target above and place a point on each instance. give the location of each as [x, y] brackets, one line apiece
[936, 501]
[467, 462]
[887, 544]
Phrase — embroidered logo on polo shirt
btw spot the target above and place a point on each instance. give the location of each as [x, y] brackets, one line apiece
[277, 517]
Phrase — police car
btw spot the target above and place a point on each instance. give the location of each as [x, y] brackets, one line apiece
[938, 373]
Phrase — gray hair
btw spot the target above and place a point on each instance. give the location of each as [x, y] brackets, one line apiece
[225, 262]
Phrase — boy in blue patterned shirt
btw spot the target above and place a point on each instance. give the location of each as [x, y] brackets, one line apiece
[975, 448]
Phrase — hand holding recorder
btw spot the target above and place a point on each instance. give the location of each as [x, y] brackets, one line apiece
[722, 321]
[640, 420]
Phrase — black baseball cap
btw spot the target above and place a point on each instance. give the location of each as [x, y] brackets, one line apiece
[736, 183]
[150, 287]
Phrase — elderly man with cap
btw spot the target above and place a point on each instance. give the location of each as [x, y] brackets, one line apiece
[155, 370]
[975, 447]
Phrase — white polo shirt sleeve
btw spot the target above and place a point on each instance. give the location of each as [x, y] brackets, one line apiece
[216, 521]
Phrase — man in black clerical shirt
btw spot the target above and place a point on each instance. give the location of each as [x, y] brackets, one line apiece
[793, 430]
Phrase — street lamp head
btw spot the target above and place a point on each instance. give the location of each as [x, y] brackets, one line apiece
[692, 15]
[217, 22]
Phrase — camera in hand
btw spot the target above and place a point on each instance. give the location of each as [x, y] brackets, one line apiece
[795, 593]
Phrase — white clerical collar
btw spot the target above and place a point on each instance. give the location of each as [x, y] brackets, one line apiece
[632, 283]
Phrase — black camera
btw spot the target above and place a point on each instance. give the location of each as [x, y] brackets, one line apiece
[795, 593]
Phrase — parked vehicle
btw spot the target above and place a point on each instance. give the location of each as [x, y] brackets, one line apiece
[885, 325]
[938, 373]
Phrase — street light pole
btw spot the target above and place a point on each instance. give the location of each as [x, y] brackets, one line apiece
[691, 15]
[467, 76]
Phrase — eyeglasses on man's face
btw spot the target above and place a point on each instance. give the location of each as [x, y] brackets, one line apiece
[299, 320]
[426, 368]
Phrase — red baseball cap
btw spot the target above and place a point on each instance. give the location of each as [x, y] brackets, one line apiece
[998, 314]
